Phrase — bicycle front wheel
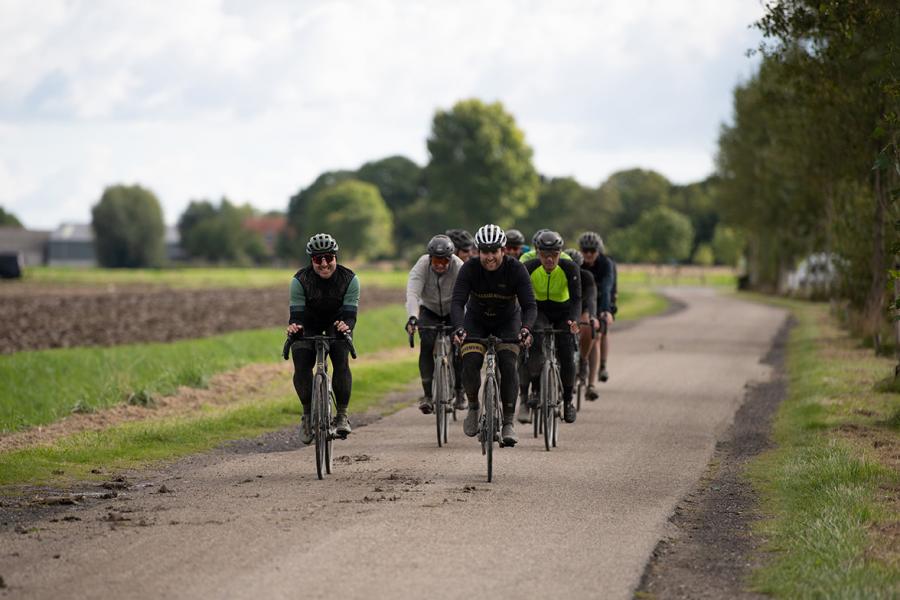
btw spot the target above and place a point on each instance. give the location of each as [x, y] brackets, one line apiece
[489, 406]
[440, 412]
[320, 423]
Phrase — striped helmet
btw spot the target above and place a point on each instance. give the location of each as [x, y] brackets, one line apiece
[490, 237]
[321, 243]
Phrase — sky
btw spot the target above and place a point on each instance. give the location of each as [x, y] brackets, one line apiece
[254, 99]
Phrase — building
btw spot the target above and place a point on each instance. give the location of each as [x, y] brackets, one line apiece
[269, 227]
[30, 246]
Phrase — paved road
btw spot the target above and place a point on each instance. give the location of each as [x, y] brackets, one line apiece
[402, 519]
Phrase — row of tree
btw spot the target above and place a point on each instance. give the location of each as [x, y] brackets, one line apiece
[811, 162]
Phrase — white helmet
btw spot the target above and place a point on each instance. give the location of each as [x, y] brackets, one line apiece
[490, 237]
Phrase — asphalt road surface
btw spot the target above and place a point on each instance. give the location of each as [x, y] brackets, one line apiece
[401, 518]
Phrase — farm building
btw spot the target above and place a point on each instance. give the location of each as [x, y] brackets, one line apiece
[30, 246]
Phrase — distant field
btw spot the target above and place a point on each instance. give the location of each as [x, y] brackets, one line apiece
[193, 277]
[690, 275]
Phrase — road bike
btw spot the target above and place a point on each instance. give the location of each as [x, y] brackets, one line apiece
[322, 404]
[546, 415]
[443, 384]
[491, 407]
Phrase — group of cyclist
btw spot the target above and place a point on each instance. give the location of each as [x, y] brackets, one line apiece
[489, 284]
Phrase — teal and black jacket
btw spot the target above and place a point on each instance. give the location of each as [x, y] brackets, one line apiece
[316, 303]
[558, 293]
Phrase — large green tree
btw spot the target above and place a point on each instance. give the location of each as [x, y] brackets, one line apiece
[218, 233]
[128, 228]
[636, 191]
[292, 242]
[560, 206]
[357, 216]
[401, 183]
[8, 219]
[480, 168]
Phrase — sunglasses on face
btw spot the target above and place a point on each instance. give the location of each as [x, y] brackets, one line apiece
[440, 260]
[589, 251]
[320, 259]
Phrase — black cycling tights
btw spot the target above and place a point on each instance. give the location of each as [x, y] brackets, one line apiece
[341, 379]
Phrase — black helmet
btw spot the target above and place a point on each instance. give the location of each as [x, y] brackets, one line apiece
[577, 257]
[461, 238]
[490, 236]
[441, 246]
[591, 241]
[514, 238]
[549, 241]
[536, 235]
[321, 243]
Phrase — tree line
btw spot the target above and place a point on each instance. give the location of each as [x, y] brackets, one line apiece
[810, 162]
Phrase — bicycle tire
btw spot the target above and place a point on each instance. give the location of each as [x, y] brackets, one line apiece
[489, 406]
[321, 431]
[546, 391]
[329, 455]
[437, 393]
[448, 399]
[557, 408]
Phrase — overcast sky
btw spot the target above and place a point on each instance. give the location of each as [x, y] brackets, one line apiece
[253, 100]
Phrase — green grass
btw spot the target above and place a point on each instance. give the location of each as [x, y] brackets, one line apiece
[636, 302]
[190, 277]
[138, 444]
[42, 386]
[689, 276]
[823, 490]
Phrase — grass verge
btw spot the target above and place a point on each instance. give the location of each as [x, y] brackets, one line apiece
[191, 277]
[830, 487]
[636, 302]
[42, 386]
[137, 444]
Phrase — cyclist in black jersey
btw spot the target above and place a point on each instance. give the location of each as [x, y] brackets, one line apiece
[589, 318]
[515, 243]
[604, 270]
[492, 296]
[324, 299]
[462, 242]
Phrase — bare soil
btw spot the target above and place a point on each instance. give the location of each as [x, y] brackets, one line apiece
[713, 548]
[35, 318]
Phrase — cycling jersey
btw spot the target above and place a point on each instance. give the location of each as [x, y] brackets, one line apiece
[316, 303]
[429, 289]
[558, 293]
[588, 293]
[604, 272]
[491, 296]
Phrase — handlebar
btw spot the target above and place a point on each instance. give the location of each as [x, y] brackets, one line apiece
[439, 328]
[591, 326]
[345, 337]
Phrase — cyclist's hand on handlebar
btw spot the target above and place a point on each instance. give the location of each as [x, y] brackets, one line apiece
[595, 323]
[573, 326]
[525, 337]
[606, 316]
[411, 325]
[459, 336]
[294, 328]
[341, 327]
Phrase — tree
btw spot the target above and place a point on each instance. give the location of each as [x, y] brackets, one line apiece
[665, 235]
[218, 234]
[480, 169]
[727, 246]
[400, 182]
[128, 228]
[292, 242]
[637, 191]
[560, 206]
[697, 201]
[356, 215]
[9, 219]
[703, 255]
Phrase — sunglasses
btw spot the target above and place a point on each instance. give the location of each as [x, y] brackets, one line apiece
[323, 258]
[440, 260]
[589, 251]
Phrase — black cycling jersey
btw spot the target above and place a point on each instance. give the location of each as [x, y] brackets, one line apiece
[316, 303]
[604, 272]
[491, 295]
[588, 293]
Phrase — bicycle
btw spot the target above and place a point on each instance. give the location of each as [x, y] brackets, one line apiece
[491, 407]
[322, 404]
[546, 416]
[443, 384]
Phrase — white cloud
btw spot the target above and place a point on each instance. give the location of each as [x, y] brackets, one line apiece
[254, 100]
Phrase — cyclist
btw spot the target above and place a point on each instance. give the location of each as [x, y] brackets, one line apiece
[492, 295]
[462, 241]
[324, 300]
[588, 309]
[428, 293]
[557, 289]
[603, 268]
[515, 243]
[533, 251]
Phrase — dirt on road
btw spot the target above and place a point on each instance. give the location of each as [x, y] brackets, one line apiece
[401, 518]
[38, 317]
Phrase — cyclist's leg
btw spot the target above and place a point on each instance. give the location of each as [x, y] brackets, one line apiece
[341, 383]
[536, 355]
[304, 360]
[508, 363]
[604, 353]
[565, 352]
[472, 359]
[426, 355]
[456, 361]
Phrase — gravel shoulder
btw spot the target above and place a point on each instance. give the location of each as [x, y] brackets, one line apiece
[245, 523]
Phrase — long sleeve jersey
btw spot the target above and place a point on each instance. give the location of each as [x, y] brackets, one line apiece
[558, 292]
[588, 293]
[604, 272]
[316, 303]
[429, 289]
[492, 295]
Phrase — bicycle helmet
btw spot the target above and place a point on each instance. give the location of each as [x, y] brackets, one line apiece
[441, 246]
[514, 238]
[321, 243]
[591, 241]
[535, 237]
[461, 238]
[577, 256]
[548, 241]
[490, 237]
